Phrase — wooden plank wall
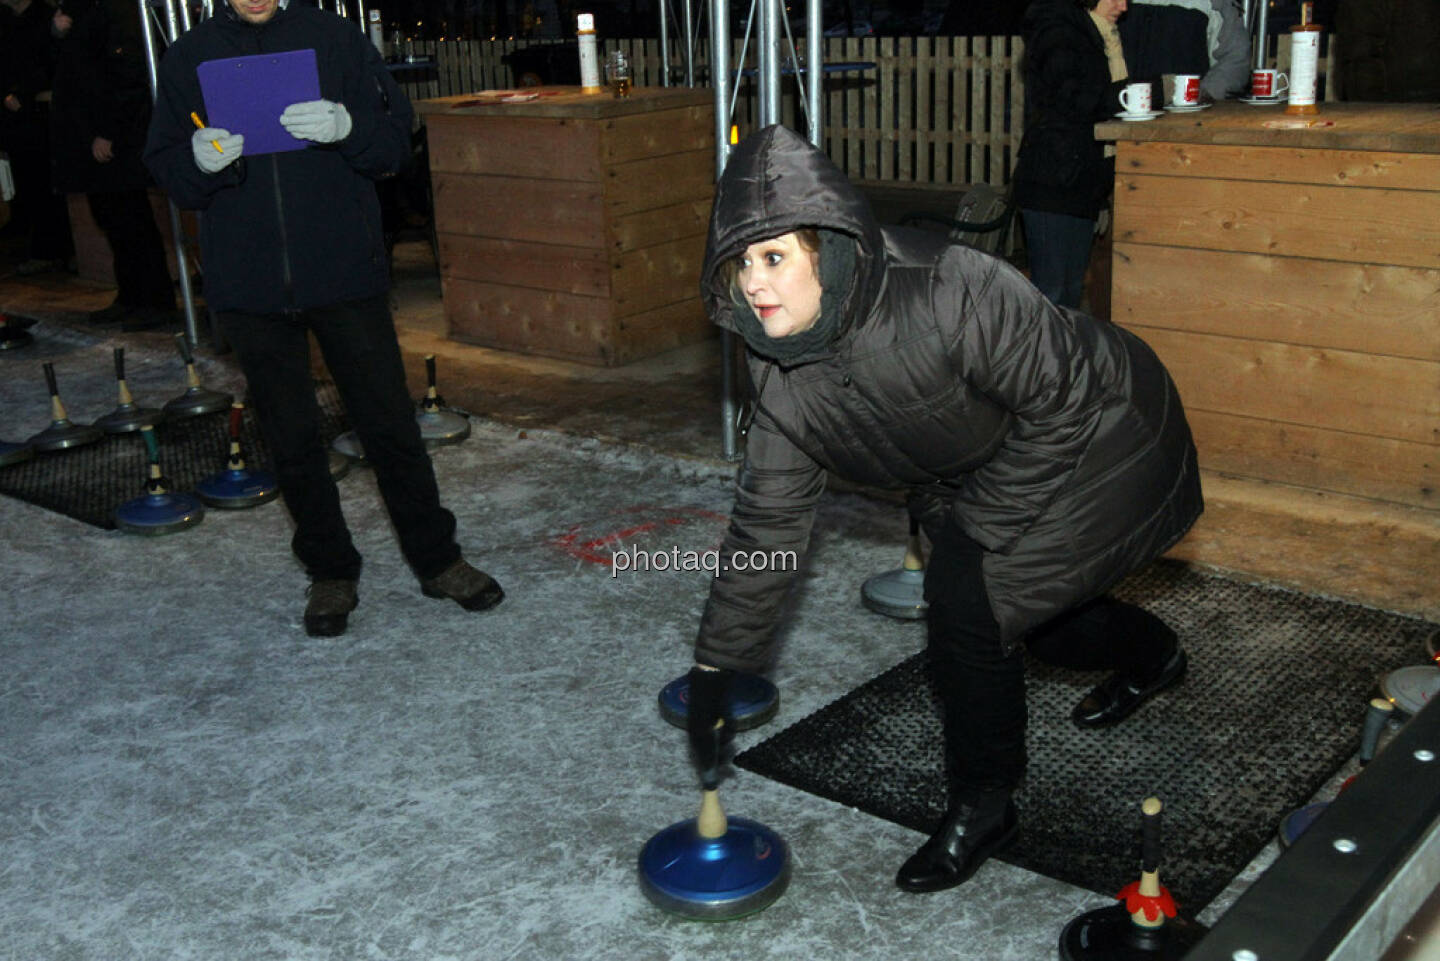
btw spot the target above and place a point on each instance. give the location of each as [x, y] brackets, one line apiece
[938, 110]
[1316, 361]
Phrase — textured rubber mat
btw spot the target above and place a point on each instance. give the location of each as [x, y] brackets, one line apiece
[1271, 708]
[88, 483]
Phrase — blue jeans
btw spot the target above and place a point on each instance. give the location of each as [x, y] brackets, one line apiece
[358, 343]
[1058, 246]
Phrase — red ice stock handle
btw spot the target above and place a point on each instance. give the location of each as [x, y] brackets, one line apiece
[237, 414]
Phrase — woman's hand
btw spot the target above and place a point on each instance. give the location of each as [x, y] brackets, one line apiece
[706, 722]
[102, 150]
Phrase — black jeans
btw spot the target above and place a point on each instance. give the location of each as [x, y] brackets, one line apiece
[982, 689]
[141, 272]
[358, 343]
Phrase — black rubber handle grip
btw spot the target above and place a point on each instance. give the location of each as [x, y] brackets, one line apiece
[914, 527]
[1150, 835]
[430, 369]
[183, 343]
[119, 363]
[50, 379]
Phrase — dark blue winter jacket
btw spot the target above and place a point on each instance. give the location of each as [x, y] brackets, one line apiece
[294, 230]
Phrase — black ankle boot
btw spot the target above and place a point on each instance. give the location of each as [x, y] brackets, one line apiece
[972, 831]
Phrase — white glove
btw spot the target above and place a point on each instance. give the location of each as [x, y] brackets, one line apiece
[323, 121]
[204, 142]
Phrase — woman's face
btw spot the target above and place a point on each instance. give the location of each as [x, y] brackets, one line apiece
[1110, 9]
[778, 280]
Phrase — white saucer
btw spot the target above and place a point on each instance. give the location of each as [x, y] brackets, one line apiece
[1134, 117]
[1188, 108]
[1262, 101]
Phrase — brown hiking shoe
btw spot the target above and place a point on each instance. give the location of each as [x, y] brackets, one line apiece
[329, 606]
[472, 589]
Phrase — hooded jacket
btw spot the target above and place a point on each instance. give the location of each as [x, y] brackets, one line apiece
[1055, 441]
[295, 230]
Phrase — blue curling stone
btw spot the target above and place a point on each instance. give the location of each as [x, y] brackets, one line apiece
[753, 701]
[714, 879]
[899, 593]
[1297, 821]
[234, 489]
[155, 514]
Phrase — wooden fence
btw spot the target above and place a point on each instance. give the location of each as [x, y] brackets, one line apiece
[936, 110]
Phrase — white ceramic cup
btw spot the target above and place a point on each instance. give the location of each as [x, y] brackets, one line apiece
[1135, 98]
[1187, 90]
[1268, 83]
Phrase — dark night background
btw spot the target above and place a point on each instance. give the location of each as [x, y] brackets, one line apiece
[475, 19]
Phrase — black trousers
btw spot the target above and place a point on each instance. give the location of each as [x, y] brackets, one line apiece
[358, 343]
[141, 272]
[982, 689]
[37, 207]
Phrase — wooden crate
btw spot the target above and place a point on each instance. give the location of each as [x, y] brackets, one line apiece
[573, 226]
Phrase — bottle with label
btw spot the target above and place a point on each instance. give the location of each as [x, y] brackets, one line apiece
[589, 58]
[1304, 63]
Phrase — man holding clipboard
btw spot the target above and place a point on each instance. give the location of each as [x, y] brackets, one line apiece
[291, 243]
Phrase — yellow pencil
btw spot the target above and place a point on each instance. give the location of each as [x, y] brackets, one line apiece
[200, 124]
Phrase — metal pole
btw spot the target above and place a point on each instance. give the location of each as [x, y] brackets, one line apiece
[664, 44]
[689, 43]
[720, 81]
[360, 16]
[1262, 40]
[768, 60]
[177, 229]
[815, 68]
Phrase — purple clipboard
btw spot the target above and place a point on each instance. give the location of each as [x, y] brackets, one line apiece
[246, 95]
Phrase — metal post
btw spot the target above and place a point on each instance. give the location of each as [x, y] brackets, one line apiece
[814, 70]
[768, 60]
[664, 44]
[177, 228]
[689, 44]
[1262, 40]
[720, 81]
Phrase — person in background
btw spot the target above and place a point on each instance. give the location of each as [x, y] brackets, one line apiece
[1074, 70]
[98, 120]
[292, 246]
[1204, 37]
[1045, 452]
[27, 67]
[1388, 50]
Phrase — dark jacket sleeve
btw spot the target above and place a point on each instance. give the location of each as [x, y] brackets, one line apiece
[1020, 351]
[168, 154]
[776, 492]
[378, 144]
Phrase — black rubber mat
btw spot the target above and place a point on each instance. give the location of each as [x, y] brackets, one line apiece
[1272, 707]
[89, 482]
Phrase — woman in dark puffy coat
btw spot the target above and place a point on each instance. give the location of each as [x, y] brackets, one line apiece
[1046, 453]
[1074, 70]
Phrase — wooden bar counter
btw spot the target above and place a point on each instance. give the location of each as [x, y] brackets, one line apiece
[1289, 277]
[573, 225]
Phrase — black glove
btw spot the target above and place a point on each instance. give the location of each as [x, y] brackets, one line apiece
[708, 722]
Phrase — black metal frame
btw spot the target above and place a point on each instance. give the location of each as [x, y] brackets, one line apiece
[1313, 897]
